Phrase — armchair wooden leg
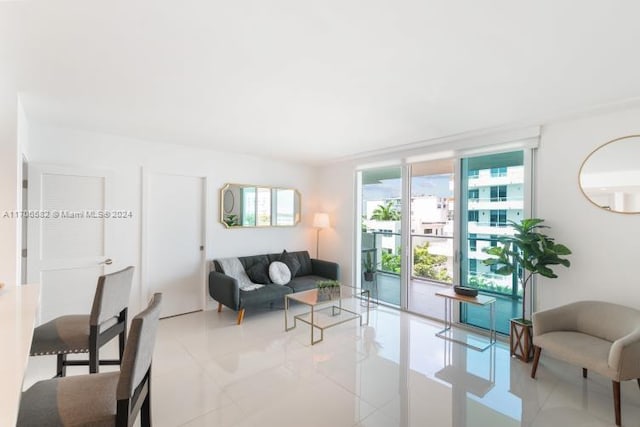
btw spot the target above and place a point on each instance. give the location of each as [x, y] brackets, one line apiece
[616, 401]
[536, 358]
[584, 372]
[240, 315]
[219, 307]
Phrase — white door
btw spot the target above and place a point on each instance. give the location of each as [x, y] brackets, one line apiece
[67, 245]
[175, 241]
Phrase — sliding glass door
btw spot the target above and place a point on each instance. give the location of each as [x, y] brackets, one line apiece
[429, 233]
[432, 235]
[381, 233]
[493, 189]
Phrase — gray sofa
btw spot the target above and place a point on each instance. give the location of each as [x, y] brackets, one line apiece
[226, 290]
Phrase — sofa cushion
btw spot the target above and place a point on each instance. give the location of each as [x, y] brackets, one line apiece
[265, 295]
[304, 283]
[233, 267]
[279, 273]
[305, 262]
[578, 349]
[302, 257]
[249, 261]
[259, 272]
[291, 261]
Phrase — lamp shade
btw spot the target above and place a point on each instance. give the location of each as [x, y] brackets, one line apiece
[321, 220]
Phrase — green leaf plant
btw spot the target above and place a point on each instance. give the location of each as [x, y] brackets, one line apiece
[323, 284]
[367, 263]
[528, 252]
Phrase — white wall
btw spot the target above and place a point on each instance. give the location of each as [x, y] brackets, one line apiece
[605, 245]
[337, 197]
[8, 184]
[128, 157]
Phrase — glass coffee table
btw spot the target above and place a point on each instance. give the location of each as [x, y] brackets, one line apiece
[326, 310]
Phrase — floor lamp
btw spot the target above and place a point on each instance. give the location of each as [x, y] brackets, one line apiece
[320, 221]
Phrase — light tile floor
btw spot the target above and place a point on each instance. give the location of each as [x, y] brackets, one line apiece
[207, 371]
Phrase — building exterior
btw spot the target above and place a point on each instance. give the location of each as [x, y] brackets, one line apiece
[495, 196]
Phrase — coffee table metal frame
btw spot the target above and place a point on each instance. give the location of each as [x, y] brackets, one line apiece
[482, 300]
[312, 299]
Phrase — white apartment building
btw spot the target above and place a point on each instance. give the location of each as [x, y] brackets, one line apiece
[494, 197]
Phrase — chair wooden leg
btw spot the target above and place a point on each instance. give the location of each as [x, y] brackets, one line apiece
[536, 358]
[240, 315]
[145, 409]
[219, 307]
[616, 401]
[61, 368]
[94, 361]
[94, 357]
[122, 339]
[584, 372]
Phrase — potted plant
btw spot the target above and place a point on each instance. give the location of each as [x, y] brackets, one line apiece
[231, 220]
[528, 252]
[328, 289]
[367, 264]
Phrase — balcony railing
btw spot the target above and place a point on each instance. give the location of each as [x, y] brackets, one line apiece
[431, 255]
[432, 259]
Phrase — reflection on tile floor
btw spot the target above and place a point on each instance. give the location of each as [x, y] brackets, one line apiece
[394, 372]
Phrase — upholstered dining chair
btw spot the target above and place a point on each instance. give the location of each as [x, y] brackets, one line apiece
[87, 333]
[106, 399]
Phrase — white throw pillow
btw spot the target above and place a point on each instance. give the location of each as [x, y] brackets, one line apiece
[279, 273]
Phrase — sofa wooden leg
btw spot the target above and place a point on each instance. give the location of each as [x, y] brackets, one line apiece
[536, 358]
[638, 382]
[219, 307]
[616, 401]
[584, 372]
[240, 315]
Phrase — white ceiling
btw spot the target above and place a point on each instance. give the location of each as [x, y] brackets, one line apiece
[313, 81]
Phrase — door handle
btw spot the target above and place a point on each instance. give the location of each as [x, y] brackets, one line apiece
[107, 261]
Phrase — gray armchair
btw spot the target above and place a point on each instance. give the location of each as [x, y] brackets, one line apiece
[596, 335]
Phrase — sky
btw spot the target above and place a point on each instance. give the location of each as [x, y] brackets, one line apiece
[432, 185]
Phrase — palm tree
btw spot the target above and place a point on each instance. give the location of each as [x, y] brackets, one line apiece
[386, 212]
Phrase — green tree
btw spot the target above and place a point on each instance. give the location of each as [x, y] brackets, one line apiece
[424, 264]
[391, 262]
[429, 265]
[386, 212]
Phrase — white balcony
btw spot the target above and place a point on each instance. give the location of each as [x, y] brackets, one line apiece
[489, 204]
[487, 228]
[494, 180]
